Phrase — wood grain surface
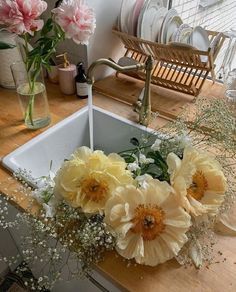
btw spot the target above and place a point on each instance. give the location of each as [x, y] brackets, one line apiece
[168, 277]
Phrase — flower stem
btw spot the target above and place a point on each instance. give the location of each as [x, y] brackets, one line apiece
[30, 106]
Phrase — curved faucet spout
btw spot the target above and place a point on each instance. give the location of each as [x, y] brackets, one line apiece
[143, 107]
[113, 65]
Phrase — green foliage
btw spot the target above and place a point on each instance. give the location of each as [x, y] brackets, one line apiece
[5, 46]
[50, 36]
[158, 169]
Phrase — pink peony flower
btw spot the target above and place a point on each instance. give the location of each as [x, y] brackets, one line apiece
[76, 19]
[20, 16]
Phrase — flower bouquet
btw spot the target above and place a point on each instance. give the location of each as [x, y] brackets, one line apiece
[70, 19]
[151, 203]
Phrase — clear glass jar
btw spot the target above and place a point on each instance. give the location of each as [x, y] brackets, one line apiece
[230, 80]
[230, 96]
[229, 61]
[32, 95]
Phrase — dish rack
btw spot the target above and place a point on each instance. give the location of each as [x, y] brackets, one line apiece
[177, 66]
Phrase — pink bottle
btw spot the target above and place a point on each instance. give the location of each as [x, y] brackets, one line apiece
[66, 74]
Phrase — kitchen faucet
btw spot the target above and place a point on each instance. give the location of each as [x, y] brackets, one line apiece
[143, 104]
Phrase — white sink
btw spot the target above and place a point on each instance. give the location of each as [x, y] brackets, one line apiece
[111, 134]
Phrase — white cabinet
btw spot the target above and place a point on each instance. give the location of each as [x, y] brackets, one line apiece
[10, 245]
[7, 248]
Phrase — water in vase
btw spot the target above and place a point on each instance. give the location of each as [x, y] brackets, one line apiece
[34, 106]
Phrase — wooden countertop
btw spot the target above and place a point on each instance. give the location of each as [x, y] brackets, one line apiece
[166, 277]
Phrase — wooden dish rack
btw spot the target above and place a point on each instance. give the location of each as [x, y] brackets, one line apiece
[178, 67]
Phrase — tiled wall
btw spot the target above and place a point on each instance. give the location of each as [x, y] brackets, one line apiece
[218, 17]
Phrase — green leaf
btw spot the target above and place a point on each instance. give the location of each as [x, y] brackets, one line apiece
[34, 52]
[161, 164]
[48, 26]
[156, 156]
[144, 168]
[43, 39]
[128, 157]
[29, 63]
[47, 47]
[60, 34]
[46, 65]
[5, 46]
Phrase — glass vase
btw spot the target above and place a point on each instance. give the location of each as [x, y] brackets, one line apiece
[230, 96]
[32, 95]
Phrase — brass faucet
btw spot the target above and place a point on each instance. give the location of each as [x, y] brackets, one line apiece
[143, 104]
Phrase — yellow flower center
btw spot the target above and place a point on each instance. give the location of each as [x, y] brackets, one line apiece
[148, 221]
[94, 190]
[198, 186]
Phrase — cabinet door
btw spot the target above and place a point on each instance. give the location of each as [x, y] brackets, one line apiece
[10, 245]
[7, 249]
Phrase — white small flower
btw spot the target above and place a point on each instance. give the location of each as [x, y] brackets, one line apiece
[184, 140]
[50, 208]
[52, 175]
[44, 182]
[142, 180]
[156, 145]
[144, 160]
[37, 195]
[133, 166]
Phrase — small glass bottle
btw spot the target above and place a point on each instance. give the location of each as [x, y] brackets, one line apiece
[81, 82]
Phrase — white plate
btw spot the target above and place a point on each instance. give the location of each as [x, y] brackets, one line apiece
[182, 34]
[172, 26]
[155, 25]
[140, 18]
[160, 17]
[149, 29]
[215, 42]
[125, 11]
[162, 34]
[199, 39]
[135, 15]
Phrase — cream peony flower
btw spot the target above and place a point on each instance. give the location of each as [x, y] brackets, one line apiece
[198, 181]
[150, 225]
[88, 179]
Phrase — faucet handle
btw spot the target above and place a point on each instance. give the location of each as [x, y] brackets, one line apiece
[127, 61]
[138, 104]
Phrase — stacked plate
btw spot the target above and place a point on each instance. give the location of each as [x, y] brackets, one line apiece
[150, 20]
